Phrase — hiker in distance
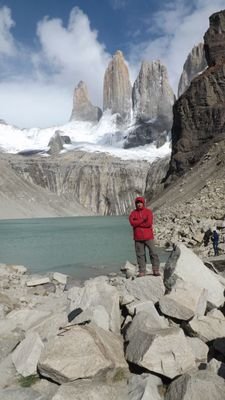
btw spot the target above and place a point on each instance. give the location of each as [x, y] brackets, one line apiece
[141, 219]
[215, 240]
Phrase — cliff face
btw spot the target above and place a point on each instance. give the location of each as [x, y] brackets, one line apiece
[153, 100]
[199, 117]
[83, 110]
[195, 63]
[117, 88]
[214, 39]
[152, 95]
[102, 184]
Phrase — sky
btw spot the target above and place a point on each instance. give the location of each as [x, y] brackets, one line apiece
[48, 46]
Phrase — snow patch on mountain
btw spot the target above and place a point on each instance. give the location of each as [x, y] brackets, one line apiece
[86, 136]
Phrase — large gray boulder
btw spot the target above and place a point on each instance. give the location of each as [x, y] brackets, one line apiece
[145, 288]
[184, 301]
[117, 88]
[83, 110]
[194, 65]
[95, 293]
[164, 351]
[144, 387]
[201, 385]
[82, 352]
[55, 144]
[185, 265]
[147, 321]
[210, 326]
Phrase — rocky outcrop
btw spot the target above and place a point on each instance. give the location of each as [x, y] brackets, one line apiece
[117, 88]
[152, 94]
[55, 144]
[101, 183]
[215, 39]
[153, 100]
[199, 112]
[194, 64]
[83, 110]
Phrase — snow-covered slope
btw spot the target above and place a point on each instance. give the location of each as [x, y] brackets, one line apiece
[102, 137]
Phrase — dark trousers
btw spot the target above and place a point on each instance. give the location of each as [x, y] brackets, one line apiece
[140, 249]
[215, 248]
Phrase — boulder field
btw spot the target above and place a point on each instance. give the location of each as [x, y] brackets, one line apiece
[114, 337]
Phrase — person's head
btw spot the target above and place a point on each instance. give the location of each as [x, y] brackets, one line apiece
[140, 203]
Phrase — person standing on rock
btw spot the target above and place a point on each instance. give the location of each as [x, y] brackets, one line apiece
[215, 240]
[141, 219]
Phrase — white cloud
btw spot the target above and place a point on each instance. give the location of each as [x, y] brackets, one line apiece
[68, 54]
[74, 52]
[178, 27]
[7, 45]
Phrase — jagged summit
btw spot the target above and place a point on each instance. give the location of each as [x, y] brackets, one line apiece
[152, 94]
[153, 100]
[215, 39]
[117, 87]
[194, 64]
[83, 110]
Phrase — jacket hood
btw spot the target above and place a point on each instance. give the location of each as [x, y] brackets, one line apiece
[140, 200]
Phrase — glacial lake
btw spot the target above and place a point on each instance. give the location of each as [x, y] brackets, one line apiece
[82, 247]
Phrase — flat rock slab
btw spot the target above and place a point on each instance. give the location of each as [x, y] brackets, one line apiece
[146, 288]
[91, 391]
[61, 278]
[82, 352]
[37, 281]
[165, 351]
[25, 357]
[202, 385]
[184, 264]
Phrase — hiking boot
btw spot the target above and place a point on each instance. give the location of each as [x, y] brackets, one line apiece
[156, 272]
[140, 274]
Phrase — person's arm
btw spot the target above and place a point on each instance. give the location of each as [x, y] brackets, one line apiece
[148, 221]
[135, 221]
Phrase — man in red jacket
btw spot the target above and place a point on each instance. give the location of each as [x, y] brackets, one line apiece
[141, 219]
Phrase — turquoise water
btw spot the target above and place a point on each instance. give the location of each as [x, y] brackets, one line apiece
[79, 246]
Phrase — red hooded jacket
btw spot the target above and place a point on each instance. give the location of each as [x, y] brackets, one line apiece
[142, 221]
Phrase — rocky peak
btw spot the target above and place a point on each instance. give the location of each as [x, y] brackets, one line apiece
[194, 64]
[215, 39]
[152, 94]
[199, 112]
[117, 87]
[153, 100]
[83, 110]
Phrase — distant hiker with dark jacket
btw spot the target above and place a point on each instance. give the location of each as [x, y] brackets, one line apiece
[215, 240]
[141, 219]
